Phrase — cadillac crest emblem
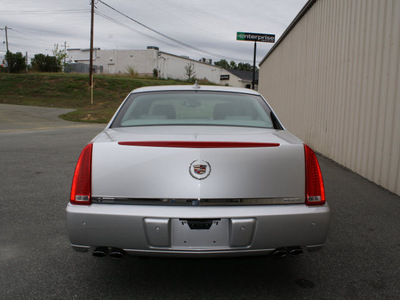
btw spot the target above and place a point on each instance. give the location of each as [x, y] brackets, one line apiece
[200, 169]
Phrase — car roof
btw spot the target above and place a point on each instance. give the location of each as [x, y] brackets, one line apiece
[194, 87]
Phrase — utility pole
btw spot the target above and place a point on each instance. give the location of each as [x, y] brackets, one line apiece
[253, 82]
[91, 54]
[65, 53]
[5, 29]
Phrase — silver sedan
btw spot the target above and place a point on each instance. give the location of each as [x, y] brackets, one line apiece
[196, 171]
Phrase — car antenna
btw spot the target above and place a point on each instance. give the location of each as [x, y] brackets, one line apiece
[196, 85]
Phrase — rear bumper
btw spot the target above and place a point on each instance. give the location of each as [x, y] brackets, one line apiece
[164, 230]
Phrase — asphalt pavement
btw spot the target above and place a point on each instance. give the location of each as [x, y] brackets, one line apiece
[38, 153]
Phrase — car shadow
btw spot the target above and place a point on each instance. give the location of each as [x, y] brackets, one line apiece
[172, 278]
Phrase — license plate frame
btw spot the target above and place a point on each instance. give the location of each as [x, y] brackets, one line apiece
[184, 237]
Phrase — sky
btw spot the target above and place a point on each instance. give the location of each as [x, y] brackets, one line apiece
[193, 28]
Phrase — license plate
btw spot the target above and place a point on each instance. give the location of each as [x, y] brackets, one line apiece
[199, 234]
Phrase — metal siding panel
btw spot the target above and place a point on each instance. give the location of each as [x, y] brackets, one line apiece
[353, 82]
[392, 133]
[346, 105]
[317, 122]
[382, 94]
[358, 78]
[339, 83]
[395, 174]
[334, 82]
[365, 110]
[328, 117]
[335, 113]
[376, 17]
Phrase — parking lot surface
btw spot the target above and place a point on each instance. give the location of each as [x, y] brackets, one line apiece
[38, 152]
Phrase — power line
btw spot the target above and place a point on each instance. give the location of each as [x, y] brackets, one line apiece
[30, 36]
[168, 37]
[172, 10]
[198, 11]
[61, 11]
[130, 28]
[151, 29]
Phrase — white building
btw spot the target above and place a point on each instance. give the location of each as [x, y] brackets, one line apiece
[238, 78]
[81, 55]
[143, 62]
[172, 66]
[147, 63]
[165, 65]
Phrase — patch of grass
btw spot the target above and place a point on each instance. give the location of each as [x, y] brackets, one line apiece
[73, 91]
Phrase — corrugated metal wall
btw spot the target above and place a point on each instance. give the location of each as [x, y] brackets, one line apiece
[334, 81]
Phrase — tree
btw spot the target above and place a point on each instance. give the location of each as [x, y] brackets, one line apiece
[59, 55]
[190, 72]
[15, 62]
[233, 66]
[155, 73]
[223, 64]
[245, 67]
[45, 63]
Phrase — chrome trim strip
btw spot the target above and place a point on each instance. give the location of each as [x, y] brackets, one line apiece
[199, 202]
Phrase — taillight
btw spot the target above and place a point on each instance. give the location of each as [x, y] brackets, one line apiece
[315, 192]
[82, 182]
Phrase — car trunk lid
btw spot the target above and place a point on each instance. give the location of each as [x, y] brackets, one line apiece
[197, 164]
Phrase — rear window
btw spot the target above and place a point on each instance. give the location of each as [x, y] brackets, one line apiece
[194, 108]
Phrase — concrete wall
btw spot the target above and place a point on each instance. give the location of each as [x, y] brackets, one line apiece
[334, 80]
[78, 55]
[120, 61]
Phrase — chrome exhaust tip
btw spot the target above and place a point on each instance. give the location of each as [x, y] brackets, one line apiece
[296, 251]
[100, 252]
[281, 252]
[116, 253]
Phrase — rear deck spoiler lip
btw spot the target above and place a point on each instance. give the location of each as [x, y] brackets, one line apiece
[198, 144]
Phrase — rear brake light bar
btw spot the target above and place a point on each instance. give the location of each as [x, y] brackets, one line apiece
[198, 144]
